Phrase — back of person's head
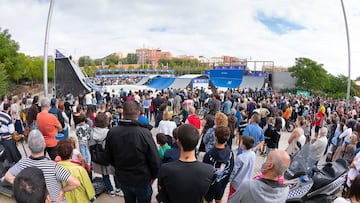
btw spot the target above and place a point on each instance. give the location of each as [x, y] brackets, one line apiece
[323, 131]
[278, 123]
[255, 118]
[6, 106]
[131, 110]
[271, 121]
[175, 133]
[30, 186]
[222, 134]
[162, 107]
[36, 142]
[61, 106]
[161, 138]
[35, 100]
[167, 115]
[44, 102]
[221, 119]
[248, 142]
[82, 117]
[101, 120]
[65, 149]
[188, 137]
[73, 142]
[280, 160]
[301, 120]
[354, 190]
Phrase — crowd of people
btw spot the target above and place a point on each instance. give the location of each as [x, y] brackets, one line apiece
[131, 80]
[205, 140]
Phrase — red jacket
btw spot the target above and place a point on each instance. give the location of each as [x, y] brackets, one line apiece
[194, 120]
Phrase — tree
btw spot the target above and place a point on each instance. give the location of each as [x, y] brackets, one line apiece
[132, 58]
[85, 61]
[4, 80]
[8, 54]
[309, 74]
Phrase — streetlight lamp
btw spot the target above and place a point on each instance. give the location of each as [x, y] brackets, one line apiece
[349, 58]
[52, 2]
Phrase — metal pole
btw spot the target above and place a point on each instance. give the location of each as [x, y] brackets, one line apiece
[349, 58]
[46, 47]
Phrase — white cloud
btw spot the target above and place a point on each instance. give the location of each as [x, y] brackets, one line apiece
[210, 28]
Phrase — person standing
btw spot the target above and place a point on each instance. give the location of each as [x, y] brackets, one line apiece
[49, 126]
[53, 172]
[6, 130]
[268, 188]
[254, 130]
[32, 113]
[185, 180]
[131, 149]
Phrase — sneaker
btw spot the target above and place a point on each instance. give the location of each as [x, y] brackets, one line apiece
[112, 193]
[119, 193]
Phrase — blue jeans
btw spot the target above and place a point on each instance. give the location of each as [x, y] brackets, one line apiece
[107, 182]
[137, 194]
[84, 150]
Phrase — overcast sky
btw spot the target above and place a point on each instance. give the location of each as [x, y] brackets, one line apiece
[274, 30]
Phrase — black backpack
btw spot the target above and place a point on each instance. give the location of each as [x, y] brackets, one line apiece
[97, 153]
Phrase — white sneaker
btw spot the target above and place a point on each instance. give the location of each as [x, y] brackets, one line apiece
[112, 193]
[119, 193]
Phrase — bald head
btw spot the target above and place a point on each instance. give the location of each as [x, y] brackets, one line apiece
[276, 164]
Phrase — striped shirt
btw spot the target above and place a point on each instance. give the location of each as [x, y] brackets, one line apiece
[6, 124]
[53, 173]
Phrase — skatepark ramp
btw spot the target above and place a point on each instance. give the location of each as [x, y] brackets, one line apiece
[252, 82]
[161, 83]
[69, 78]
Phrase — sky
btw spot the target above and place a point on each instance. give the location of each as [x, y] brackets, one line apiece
[269, 30]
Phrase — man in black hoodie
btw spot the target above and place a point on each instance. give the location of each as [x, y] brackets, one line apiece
[131, 149]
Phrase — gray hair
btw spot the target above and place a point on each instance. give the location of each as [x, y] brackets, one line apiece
[45, 102]
[279, 164]
[36, 142]
[323, 131]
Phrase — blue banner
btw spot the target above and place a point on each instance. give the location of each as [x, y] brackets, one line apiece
[228, 74]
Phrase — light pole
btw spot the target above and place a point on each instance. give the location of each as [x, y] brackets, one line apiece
[52, 2]
[349, 58]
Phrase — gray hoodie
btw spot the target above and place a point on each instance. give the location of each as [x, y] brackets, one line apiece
[257, 191]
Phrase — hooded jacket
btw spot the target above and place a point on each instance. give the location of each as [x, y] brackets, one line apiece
[259, 190]
[131, 149]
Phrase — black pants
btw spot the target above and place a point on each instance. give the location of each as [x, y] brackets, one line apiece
[12, 153]
[52, 151]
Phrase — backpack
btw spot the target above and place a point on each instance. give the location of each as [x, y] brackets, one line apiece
[97, 153]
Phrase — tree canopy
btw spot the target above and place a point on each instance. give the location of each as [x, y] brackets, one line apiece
[311, 76]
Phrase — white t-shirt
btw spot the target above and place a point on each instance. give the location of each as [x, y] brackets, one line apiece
[166, 127]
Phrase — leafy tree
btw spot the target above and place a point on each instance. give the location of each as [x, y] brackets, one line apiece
[309, 74]
[132, 58]
[8, 54]
[85, 61]
[4, 80]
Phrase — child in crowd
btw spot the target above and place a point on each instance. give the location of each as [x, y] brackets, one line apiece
[222, 160]
[244, 164]
[83, 133]
[76, 155]
[161, 139]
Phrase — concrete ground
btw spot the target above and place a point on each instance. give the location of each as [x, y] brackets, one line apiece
[106, 198]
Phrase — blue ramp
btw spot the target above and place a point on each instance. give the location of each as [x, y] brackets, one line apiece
[161, 83]
[226, 78]
[228, 83]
